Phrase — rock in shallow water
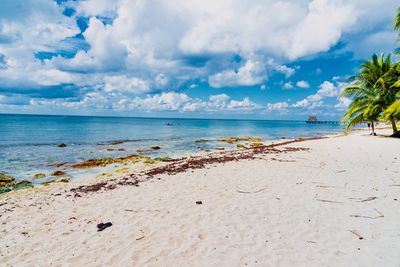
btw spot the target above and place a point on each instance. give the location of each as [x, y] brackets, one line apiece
[102, 162]
[14, 185]
[6, 178]
[39, 175]
[58, 173]
[64, 179]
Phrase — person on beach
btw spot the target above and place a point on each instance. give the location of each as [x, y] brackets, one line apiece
[372, 127]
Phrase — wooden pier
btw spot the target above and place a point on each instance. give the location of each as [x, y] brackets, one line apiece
[323, 122]
[314, 120]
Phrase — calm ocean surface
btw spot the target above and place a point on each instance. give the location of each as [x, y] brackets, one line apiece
[28, 143]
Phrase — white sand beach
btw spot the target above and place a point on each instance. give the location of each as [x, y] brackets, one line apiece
[336, 204]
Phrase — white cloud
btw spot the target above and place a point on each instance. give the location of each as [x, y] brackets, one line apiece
[288, 85]
[251, 73]
[277, 106]
[166, 101]
[286, 70]
[303, 84]
[219, 99]
[123, 83]
[326, 89]
[344, 102]
[133, 47]
[322, 27]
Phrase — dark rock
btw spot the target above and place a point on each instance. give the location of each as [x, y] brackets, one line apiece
[102, 226]
[102, 162]
[17, 185]
[199, 202]
[116, 142]
[155, 147]
[58, 173]
[6, 178]
[64, 179]
[39, 175]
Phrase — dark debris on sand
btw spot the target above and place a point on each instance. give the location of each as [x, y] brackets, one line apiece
[176, 166]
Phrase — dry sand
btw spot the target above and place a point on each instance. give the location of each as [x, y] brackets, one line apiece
[337, 204]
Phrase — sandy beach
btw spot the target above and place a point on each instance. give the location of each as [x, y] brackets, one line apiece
[327, 202]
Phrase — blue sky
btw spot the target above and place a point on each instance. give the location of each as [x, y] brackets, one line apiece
[270, 59]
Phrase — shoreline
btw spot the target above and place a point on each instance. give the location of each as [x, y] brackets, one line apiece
[255, 206]
[38, 155]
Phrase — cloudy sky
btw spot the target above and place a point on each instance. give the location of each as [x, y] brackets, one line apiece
[272, 59]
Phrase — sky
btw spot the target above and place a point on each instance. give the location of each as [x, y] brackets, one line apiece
[254, 59]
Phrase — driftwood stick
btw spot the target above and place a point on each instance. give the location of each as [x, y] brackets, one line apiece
[248, 192]
[357, 234]
[329, 201]
[380, 215]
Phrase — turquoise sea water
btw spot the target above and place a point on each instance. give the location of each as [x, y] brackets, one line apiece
[28, 143]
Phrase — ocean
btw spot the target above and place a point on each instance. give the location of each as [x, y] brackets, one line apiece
[29, 143]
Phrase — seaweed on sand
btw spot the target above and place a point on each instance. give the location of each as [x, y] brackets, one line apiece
[181, 165]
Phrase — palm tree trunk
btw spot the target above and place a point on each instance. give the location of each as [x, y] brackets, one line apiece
[395, 132]
[373, 127]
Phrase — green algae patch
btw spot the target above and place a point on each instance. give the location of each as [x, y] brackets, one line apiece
[15, 185]
[240, 146]
[102, 162]
[164, 159]
[8, 183]
[122, 170]
[64, 179]
[148, 149]
[233, 140]
[150, 161]
[4, 178]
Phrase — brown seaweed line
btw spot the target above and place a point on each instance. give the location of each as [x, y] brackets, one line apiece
[199, 162]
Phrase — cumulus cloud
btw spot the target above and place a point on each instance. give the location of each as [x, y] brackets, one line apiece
[303, 84]
[344, 102]
[325, 19]
[326, 89]
[123, 83]
[133, 47]
[166, 101]
[251, 73]
[288, 85]
[277, 106]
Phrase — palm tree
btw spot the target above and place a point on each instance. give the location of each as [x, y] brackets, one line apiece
[396, 25]
[392, 113]
[369, 91]
[397, 20]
